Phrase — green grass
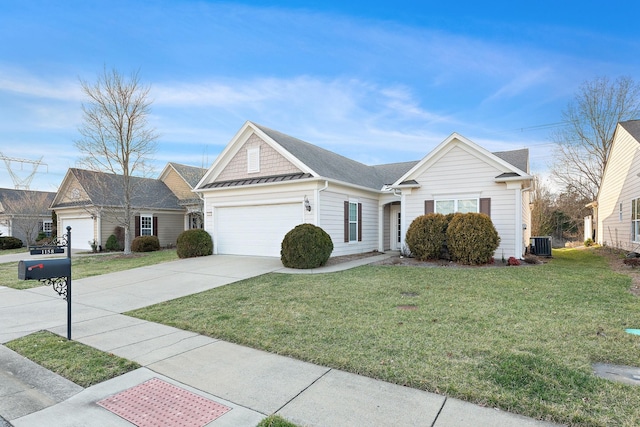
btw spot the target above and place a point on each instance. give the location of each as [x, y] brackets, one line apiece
[14, 251]
[87, 266]
[275, 421]
[518, 338]
[77, 362]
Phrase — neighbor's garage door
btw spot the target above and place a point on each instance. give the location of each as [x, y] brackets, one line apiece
[81, 232]
[255, 230]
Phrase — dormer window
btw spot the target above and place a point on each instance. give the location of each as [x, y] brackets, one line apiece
[253, 160]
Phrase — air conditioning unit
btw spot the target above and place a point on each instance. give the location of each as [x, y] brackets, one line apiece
[540, 245]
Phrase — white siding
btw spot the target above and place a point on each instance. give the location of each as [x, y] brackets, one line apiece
[457, 174]
[619, 185]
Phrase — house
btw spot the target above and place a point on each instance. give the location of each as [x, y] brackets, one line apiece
[92, 204]
[265, 182]
[617, 208]
[24, 214]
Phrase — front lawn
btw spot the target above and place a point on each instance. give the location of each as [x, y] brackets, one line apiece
[518, 338]
[90, 265]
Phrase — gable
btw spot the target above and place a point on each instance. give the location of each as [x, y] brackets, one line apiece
[475, 157]
[71, 192]
[268, 162]
[177, 185]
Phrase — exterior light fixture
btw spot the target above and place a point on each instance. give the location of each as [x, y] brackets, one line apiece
[307, 205]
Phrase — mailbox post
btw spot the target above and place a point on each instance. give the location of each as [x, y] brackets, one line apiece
[55, 272]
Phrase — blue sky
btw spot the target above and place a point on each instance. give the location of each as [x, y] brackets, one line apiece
[378, 82]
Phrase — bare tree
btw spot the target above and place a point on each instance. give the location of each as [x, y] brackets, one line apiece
[116, 137]
[584, 144]
[29, 210]
[542, 205]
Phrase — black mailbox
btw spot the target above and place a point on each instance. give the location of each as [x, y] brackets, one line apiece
[44, 269]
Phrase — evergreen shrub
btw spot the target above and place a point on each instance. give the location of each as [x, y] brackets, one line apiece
[306, 246]
[8, 242]
[194, 243]
[112, 244]
[426, 236]
[471, 238]
[145, 244]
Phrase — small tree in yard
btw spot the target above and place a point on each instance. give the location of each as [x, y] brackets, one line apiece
[28, 209]
[116, 138]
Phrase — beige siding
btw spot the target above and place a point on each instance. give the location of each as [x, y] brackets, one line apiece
[65, 194]
[460, 174]
[170, 225]
[332, 214]
[178, 186]
[620, 185]
[271, 162]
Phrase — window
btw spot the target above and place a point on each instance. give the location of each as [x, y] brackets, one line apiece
[399, 227]
[353, 222]
[146, 225]
[457, 205]
[635, 220]
[47, 227]
[620, 212]
[253, 160]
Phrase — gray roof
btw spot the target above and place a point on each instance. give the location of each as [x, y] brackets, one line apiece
[106, 189]
[334, 166]
[191, 174]
[633, 127]
[11, 198]
[517, 158]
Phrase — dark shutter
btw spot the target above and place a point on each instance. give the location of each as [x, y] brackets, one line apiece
[346, 222]
[155, 226]
[359, 222]
[137, 226]
[428, 206]
[485, 206]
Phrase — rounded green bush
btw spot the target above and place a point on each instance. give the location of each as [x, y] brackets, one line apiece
[472, 239]
[194, 243]
[306, 246]
[426, 236]
[8, 242]
[112, 243]
[145, 244]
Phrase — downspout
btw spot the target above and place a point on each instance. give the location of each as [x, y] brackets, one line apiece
[317, 203]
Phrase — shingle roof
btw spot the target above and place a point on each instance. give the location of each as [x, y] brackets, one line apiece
[10, 199]
[191, 174]
[517, 158]
[334, 166]
[633, 127]
[105, 189]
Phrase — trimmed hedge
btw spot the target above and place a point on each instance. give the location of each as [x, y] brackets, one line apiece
[194, 243]
[472, 238]
[8, 242]
[427, 235]
[145, 244]
[306, 246]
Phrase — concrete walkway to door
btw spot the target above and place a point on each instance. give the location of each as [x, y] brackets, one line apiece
[250, 383]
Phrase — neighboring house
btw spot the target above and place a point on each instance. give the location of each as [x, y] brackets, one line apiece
[181, 180]
[24, 214]
[264, 183]
[617, 209]
[92, 204]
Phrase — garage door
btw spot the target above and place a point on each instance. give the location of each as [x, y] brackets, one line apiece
[255, 230]
[81, 232]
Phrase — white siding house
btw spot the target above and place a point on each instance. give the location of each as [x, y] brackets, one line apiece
[617, 210]
[265, 182]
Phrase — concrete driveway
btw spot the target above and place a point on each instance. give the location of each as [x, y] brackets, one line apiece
[27, 311]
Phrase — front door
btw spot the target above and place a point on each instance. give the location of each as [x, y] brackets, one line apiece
[395, 227]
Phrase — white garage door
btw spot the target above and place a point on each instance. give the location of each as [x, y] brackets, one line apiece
[255, 230]
[81, 232]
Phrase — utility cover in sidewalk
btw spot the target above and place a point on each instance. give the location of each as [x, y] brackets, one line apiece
[158, 403]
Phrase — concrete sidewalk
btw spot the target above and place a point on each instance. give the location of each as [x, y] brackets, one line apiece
[252, 383]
